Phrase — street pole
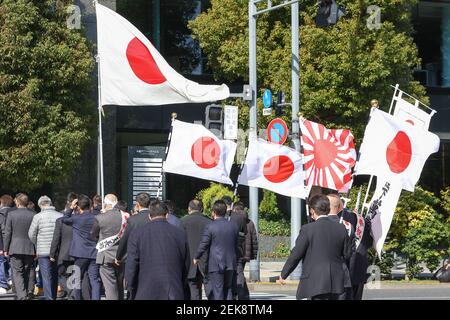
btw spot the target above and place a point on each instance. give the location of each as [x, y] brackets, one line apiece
[253, 192]
[296, 209]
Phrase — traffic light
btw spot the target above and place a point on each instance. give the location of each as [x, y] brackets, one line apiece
[328, 13]
[214, 119]
[279, 104]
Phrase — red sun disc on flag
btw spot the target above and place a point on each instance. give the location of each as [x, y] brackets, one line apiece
[329, 155]
[205, 153]
[143, 64]
[278, 169]
[399, 152]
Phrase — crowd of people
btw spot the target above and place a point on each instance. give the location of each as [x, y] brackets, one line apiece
[94, 247]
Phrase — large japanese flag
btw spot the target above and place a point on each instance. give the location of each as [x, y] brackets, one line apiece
[195, 151]
[274, 167]
[395, 150]
[133, 72]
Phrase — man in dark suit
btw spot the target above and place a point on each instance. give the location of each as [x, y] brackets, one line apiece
[194, 224]
[82, 248]
[158, 259]
[239, 217]
[107, 230]
[141, 218]
[59, 253]
[20, 248]
[171, 217]
[220, 241]
[336, 208]
[323, 246]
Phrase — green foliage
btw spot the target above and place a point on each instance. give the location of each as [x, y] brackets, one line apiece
[45, 93]
[214, 192]
[445, 202]
[413, 269]
[274, 228]
[268, 208]
[281, 251]
[385, 264]
[342, 67]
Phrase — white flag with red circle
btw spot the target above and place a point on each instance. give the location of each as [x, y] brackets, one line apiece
[395, 150]
[274, 167]
[329, 156]
[133, 72]
[195, 151]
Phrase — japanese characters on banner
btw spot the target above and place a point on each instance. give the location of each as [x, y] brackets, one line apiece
[395, 151]
[329, 156]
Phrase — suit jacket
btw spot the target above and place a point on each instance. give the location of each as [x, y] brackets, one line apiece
[220, 240]
[16, 232]
[346, 264]
[82, 245]
[251, 242]
[134, 222]
[323, 246]
[158, 262]
[174, 220]
[61, 242]
[194, 224]
[106, 225]
[240, 219]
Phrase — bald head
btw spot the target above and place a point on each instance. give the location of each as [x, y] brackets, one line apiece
[336, 205]
[110, 201]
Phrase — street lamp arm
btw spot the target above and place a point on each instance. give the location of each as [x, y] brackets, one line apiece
[270, 8]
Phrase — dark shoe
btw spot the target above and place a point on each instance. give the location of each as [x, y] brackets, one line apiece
[30, 296]
[61, 294]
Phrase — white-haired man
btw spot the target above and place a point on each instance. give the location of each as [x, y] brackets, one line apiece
[107, 230]
[41, 234]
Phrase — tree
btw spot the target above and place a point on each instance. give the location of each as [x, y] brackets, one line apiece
[341, 68]
[46, 86]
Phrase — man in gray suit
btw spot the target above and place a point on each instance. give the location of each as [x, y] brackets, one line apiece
[19, 247]
[107, 230]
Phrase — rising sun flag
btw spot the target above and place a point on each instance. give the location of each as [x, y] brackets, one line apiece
[329, 156]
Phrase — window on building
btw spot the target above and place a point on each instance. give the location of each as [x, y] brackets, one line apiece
[164, 23]
[432, 23]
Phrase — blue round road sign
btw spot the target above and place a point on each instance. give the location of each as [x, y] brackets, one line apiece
[267, 98]
[277, 131]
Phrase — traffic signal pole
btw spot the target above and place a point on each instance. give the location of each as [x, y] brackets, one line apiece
[254, 271]
[253, 192]
[296, 208]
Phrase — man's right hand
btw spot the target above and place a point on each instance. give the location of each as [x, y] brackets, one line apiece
[195, 261]
[117, 262]
[5, 253]
[52, 259]
[281, 281]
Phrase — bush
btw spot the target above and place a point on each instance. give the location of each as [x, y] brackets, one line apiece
[213, 193]
[274, 228]
[281, 251]
[268, 208]
[385, 264]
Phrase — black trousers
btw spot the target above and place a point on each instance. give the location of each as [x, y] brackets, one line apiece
[326, 296]
[241, 283]
[357, 292]
[221, 285]
[195, 286]
[23, 274]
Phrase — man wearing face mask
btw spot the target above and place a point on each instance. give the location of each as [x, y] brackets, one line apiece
[323, 246]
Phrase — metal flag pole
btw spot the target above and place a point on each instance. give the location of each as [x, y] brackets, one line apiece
[174, 116]
[100, 167]
[241, 167]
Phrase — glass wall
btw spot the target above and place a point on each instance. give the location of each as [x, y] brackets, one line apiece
[432, 25]
[164, 23]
